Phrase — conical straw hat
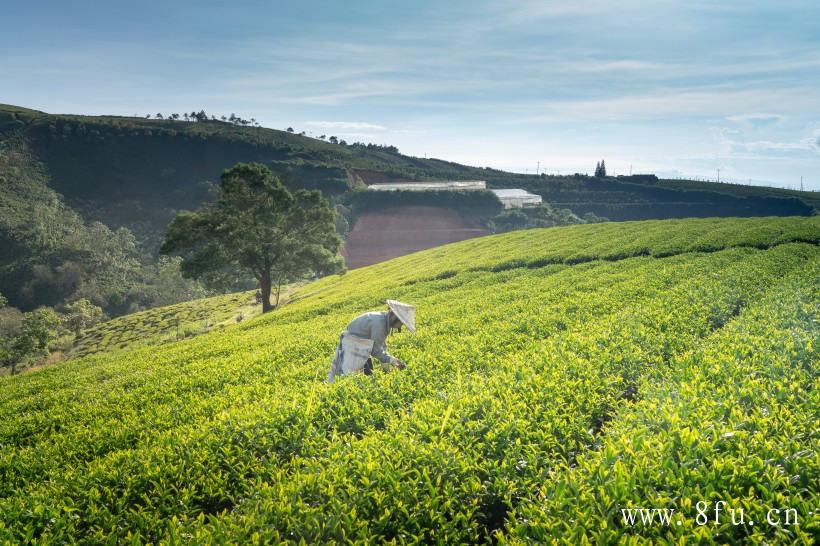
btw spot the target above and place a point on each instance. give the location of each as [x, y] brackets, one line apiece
[405, 312]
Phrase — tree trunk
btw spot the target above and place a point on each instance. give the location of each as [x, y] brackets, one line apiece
[264, 285]
[278, 290]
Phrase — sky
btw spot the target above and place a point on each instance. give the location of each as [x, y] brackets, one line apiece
[675, 88]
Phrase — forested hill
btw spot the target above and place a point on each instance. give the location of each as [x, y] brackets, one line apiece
[68, 182]
[135, 171]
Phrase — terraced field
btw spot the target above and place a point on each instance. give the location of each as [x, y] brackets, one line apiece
[558, 377]
[166, 324]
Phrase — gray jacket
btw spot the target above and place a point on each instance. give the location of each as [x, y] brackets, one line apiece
[368, 326]
[373, 326]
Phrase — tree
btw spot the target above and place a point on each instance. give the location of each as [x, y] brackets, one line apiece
[290, 129]
[600, 169]
[256, 224]
[39, 328]
[333, 140]
[80, 315]
[509, 220]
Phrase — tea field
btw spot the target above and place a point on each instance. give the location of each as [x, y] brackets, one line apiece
[166, 324]
[558, 377]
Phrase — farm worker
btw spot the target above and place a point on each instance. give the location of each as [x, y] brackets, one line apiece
[365, 337]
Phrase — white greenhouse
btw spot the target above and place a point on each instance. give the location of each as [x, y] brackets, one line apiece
[510, 198]
[516, 199]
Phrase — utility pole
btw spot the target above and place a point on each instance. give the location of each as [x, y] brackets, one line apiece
[538, 169]
[718, 180]
[801, 183]
[630, 170]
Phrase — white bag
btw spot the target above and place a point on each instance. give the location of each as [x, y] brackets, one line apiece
[355, 352]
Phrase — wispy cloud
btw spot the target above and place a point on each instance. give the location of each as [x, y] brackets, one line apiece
[665, 104]
[766, 145]
[757, 118]
[346, 125]
[515, 80]
[733, 145]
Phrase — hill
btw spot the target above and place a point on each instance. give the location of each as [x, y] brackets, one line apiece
[135, 172]
[70, 182]
[166, 324]
[558, 376]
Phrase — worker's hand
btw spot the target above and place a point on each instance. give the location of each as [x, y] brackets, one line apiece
[400, 365]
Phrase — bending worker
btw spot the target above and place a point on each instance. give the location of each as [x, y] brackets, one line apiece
[366, 336]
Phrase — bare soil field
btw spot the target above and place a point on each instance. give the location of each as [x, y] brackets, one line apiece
[379, 236]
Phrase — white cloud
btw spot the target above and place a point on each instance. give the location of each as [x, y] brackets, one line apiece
[676, 104]
[757, 118]
[767, 145]
[355, 125]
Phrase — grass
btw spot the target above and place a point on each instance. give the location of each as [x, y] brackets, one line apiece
[557, 376]
[171, 323]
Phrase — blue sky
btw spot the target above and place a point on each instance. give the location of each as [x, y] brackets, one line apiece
[676, 88]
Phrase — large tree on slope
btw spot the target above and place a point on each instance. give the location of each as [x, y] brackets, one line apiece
[257, 224]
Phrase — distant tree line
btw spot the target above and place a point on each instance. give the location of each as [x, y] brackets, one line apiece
[375, 147]
[202, 116]
[28, 338]
[359, 145]
[538, 217]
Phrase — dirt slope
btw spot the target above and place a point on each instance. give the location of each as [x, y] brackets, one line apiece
[379, 236]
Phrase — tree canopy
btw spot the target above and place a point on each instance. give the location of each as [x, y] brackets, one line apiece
[257, 224]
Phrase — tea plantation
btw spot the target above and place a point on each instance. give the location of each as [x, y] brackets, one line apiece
[558, 376]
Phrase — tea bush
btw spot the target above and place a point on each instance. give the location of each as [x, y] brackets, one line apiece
[557, 376]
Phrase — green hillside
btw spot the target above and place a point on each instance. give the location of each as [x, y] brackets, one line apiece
[170, 323]
[68, 182]
[557, 376]
[134, 172]
[166, 324]
[809, 197]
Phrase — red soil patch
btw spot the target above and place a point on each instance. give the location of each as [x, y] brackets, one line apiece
[379, 236]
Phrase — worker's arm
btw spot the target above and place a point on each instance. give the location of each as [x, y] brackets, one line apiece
[380, 352]
[378, 333]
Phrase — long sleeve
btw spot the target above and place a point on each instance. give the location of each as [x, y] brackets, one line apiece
[373, 326]
[380, 352]
[379, 332]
